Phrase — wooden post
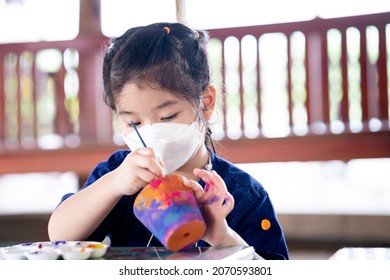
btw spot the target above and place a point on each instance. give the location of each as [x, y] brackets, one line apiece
[95, 116]
[90, 20]
[2, 103]
[180, 11]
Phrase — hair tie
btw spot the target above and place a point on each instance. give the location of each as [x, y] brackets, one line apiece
[197, 35]
[167, 29]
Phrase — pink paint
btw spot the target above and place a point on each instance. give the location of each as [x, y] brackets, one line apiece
[210, 185]
[154, 184]
[177, 194]
[189, 196]
[167, 199]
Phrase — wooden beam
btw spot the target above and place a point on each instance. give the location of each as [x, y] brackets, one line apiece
[307, 148]
[80, 160]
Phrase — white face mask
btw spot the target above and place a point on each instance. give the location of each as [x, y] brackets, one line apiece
[173, 143]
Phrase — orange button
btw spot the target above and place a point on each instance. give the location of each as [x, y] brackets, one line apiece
[265, 224]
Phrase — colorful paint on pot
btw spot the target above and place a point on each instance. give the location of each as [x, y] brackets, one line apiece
[169, 210]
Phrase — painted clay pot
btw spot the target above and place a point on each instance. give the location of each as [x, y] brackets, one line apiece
[169, 210]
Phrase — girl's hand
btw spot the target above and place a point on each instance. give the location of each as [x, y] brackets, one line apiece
[215, 203]
[137, 170]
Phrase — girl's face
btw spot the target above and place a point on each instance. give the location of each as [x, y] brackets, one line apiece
[146, 106]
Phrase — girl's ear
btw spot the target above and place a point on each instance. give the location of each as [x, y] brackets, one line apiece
[208, 102]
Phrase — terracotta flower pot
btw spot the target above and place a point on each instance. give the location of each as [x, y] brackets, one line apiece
[169, 210]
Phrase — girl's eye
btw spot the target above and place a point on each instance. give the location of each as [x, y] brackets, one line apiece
[169, 118]
[135, 123]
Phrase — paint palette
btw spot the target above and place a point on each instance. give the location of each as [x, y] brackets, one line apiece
[67, 250]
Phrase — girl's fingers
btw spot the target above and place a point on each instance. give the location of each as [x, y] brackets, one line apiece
[214, 198]
[146, 152]
[149, 152]
[210, 195]
[145, 175]
[195, 187]
[220, 202]
[212, 179]
[147, 160]
[203, 174]
[201, 195]
[228, 203]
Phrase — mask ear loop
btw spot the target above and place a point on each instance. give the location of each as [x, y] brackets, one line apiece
[209, 165]
[209, 132]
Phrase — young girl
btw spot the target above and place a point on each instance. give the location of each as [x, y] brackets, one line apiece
[157, 78]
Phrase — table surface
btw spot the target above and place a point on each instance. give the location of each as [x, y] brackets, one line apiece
[362, 253]
[192, 253]
[148, 253]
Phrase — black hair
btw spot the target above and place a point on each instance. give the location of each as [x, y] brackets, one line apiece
[168, 56]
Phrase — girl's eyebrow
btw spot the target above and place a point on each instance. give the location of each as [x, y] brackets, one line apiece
[158, 107]
[125, 113]
[166, 104]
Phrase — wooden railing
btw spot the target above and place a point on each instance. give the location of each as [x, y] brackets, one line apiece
[329, 77]
[313, 90]
[51, 112]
